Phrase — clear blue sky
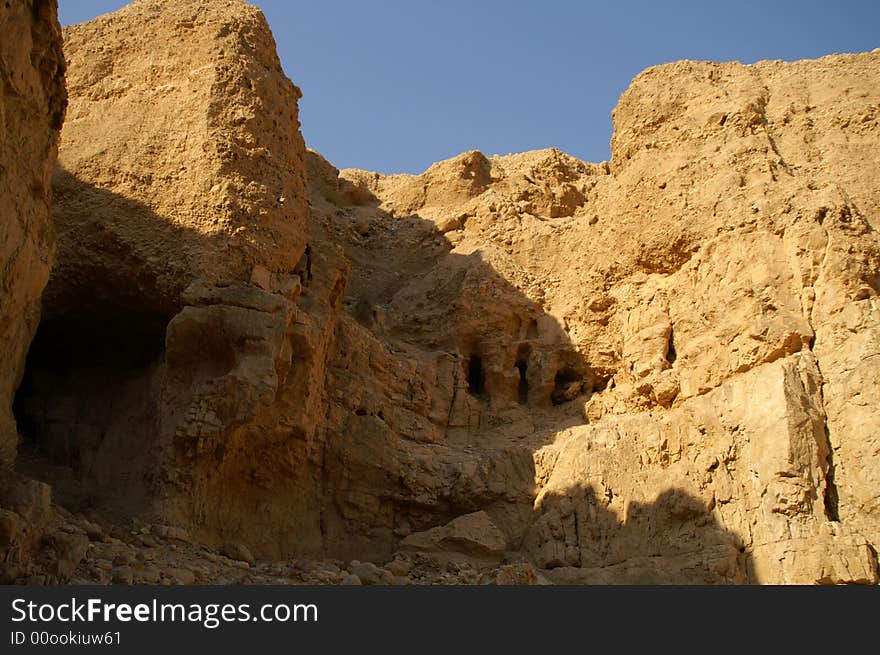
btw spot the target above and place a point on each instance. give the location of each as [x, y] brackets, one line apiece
[395, 85]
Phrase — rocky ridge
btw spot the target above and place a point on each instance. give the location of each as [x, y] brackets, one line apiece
[513, 369]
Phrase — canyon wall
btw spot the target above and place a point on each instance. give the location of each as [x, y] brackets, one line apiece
[180, 207]
[33, 100]
[32, 104]
[660, 368]
[719, 278]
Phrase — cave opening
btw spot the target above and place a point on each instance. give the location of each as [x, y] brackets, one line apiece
[476, 379]
[567, 385]
[671, 355]
[523, 390]
[85, 401]
[522, 365]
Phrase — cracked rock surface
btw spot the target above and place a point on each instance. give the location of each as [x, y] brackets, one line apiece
[527, 369]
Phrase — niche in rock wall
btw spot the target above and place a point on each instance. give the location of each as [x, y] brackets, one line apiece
[522, 365]
[572, 381]
[532, 332]
[567, 385]
[476, 376]
[671, 355]
[86, 400]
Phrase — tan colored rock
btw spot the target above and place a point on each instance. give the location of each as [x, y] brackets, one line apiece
[472, 537]
[399, 567]
[181, 156]
[741, 470]
[33, 99]
[178, 576]
[238, 552]
[122, 575]
[516, 574]
[213, 234]
[180, 201]
[658, 369]
[699, 270]
[370, 574]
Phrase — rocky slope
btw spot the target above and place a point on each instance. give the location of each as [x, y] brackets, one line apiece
[253, 367]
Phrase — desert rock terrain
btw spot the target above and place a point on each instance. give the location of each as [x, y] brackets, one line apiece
[253, 367]
[33, 99]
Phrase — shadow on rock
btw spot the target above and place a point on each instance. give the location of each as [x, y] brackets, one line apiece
[584, 538]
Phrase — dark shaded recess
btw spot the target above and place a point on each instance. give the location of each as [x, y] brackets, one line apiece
[572, 381]
[522, 365]
[532, 332]
[476, 378]
[671, 355]
[562, 384]
[70, 349]
[832, 499]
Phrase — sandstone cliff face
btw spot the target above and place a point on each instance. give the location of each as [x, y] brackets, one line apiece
[32, 104]
[515, 369]
[33, 98]
[182, 137]
[708, 298]
[180, 205]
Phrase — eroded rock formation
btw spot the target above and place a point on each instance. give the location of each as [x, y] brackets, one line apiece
[519, 369]
[693, 293]
[180, 203]
[32, 104]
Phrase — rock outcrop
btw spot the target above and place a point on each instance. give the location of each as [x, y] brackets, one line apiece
[32, 104]
[181, 157]
[708, 298]
[33, 98]
[520, 369]
[180, 205]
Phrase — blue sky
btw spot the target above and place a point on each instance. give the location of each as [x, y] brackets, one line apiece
[394, 86]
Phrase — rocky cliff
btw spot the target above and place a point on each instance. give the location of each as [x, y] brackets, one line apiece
[707, 299]
[660, 368]
[180, 204]
[32, 104]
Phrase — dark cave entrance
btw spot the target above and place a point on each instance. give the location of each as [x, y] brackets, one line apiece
[85, 401]
[567, 385]
[522, 365]
[523, 389]
[476, 377]
[671, 355]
